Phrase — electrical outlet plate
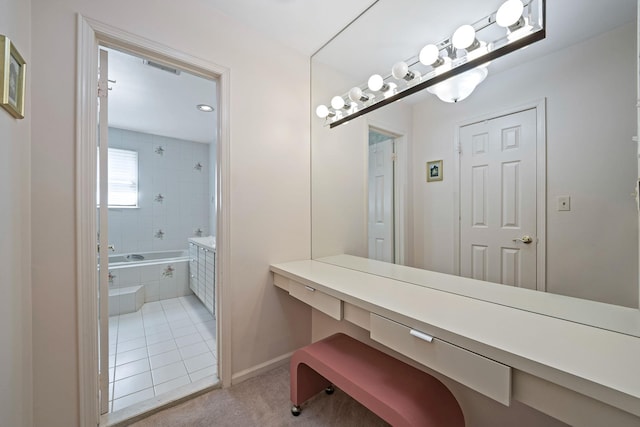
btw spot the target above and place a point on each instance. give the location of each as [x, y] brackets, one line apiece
[564, 203]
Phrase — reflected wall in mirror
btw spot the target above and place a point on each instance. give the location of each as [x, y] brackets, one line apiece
[579, 88]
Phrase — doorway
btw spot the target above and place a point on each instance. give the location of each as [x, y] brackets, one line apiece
[157, 176]
[502, 194]
[385, 210]
[93, 299]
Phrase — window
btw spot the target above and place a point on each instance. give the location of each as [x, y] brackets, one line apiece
[123, 178]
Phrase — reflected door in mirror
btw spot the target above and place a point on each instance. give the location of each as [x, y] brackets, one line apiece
[498, 200]
[381, 198]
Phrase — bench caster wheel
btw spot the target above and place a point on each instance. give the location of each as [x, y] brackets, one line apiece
[329, 390]
[295, 410]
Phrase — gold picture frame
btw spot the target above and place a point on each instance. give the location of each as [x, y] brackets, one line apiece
[13, 73]
[434, 171]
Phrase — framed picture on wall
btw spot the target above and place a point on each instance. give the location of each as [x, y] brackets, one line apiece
[434, 171]
[13, 72]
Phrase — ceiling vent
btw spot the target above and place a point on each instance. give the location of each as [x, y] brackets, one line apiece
[161, 67]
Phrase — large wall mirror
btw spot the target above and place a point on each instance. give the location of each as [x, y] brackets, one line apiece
[536, 172]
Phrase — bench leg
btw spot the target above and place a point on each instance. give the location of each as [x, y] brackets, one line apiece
[296, 410]
[305, 383]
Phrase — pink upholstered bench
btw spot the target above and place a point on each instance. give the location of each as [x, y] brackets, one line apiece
[398, 393]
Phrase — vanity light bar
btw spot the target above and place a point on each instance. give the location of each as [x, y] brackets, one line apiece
[517, 23]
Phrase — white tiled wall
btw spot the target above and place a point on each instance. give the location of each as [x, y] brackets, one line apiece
[172, 173]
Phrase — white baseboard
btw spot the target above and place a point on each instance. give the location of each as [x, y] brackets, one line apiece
[256, 370]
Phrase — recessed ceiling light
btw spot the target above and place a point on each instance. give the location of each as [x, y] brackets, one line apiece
[204, 107]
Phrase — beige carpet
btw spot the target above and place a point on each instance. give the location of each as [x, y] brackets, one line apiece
[263, 401]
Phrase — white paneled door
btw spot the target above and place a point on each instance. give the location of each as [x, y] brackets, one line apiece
[381, 201]
[498, 169]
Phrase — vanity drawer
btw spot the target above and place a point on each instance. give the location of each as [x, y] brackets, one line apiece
[483, 375]
[281, 282]
[325, 303]
[356, 315]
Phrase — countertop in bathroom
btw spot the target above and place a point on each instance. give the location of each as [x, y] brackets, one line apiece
[206, 241]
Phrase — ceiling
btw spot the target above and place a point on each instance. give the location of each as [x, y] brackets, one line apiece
[304, 25]
[150, 100]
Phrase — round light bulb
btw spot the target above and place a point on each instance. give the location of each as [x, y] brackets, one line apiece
[337, 102]
[464, 37]
[356, 95]
[400, 70]
[509, 13]
[429, 54]
[322, 111]
[375, 82]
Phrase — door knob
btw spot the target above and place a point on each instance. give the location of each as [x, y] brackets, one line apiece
[524, 239]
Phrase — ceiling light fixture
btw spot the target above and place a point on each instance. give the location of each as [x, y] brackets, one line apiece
[451, 68]
[459, 87]
[205, 108]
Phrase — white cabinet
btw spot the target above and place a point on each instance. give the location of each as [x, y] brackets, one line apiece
[202, 273]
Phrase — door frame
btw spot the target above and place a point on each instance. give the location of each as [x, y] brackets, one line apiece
[400, 180]
[541, 184]
[90, 35]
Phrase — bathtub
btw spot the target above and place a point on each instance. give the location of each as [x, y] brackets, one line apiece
[145, 258]
[145, 277]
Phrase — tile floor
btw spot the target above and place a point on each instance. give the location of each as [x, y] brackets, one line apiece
[164, 345]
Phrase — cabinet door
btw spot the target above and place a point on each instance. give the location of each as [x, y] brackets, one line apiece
[193, 268]
[210, 281]
[202, 275]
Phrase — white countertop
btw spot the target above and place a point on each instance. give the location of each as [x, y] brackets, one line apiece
[607, 316]
[206, 241]
[597, 362]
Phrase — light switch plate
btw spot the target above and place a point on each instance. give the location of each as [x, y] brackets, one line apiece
[564, 203]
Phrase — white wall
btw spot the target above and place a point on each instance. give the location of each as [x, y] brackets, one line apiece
[184, 208]
[15, 243]
[269, 181]
[590, 157]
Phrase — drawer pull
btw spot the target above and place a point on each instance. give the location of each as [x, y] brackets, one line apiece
[309, 288]
[421, 335]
